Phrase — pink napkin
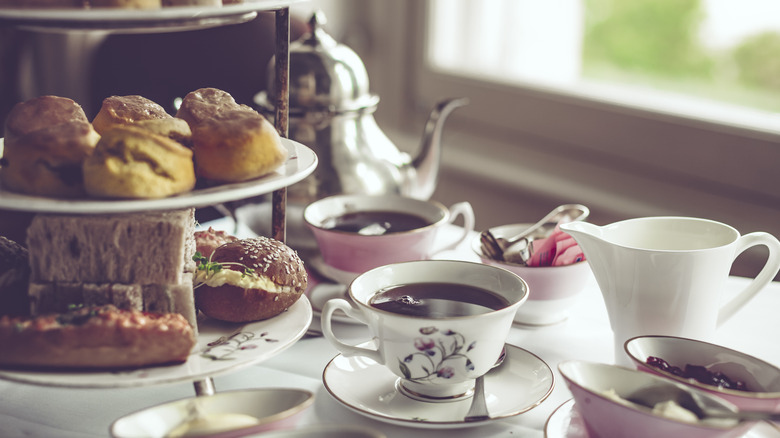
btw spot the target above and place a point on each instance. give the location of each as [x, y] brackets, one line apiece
[557, 249]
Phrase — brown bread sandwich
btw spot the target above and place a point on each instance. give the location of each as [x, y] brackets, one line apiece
[249, 280]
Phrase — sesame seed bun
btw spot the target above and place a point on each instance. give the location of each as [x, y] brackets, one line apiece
[267, 278]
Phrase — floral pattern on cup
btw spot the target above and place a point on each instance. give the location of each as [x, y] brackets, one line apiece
[437, 357]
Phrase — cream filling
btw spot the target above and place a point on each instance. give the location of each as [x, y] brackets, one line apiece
[239, 279]
[213, 423]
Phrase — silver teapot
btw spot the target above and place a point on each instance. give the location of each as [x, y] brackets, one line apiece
[331, 111]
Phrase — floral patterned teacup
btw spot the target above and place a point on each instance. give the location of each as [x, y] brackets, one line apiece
[436, 357]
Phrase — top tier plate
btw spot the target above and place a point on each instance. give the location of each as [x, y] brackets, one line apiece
[301, 163]
[172, 18]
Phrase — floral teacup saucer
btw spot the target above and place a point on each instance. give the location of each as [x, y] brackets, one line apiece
[521, 383]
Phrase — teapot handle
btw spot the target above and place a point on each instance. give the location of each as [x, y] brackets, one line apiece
[770, 269]
[460, 209]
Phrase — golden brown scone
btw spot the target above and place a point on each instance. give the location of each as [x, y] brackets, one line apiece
[52, 4]
[259, 279]
[48, 161]
[204, 103]
[130, 162]
[96, 338]
[126, 110]
[41, 112]
[174, 128]
[236, 145]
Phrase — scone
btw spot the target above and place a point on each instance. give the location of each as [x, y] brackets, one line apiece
[205, 103]
[231, 142]
[130, 162]
[126, 110]
[249, 280]
[174, 128]
[41, 112]
[48, 161]
[236, 145]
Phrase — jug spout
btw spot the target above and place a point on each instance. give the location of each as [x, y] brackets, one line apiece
[426, 163]
[582, 230]
[591, 240]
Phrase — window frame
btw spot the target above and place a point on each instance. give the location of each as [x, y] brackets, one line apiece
[696, 151]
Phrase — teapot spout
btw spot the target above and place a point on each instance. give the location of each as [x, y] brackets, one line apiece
[426, 163]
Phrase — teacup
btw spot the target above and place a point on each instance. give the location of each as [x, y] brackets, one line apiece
[436, 324]
[356, 233]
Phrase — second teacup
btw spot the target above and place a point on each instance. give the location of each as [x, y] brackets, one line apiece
[356, 233]
[436, 324]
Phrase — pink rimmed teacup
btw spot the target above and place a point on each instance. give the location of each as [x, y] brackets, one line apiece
[353, 250]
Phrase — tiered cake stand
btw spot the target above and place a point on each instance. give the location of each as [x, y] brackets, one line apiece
[221, 347]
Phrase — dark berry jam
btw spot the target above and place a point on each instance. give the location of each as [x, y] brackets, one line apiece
[698, 373]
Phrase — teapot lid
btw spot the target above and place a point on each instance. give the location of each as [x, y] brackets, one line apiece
[325, 76]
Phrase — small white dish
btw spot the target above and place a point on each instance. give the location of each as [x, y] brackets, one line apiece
[566, 422]
[226, 414]
[520, 384]
[324, 431]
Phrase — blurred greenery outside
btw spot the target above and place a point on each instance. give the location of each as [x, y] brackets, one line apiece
[656, 43]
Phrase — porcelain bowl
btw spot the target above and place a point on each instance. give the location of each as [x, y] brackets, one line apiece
[605, 417]
[272, 408]
[553, 290]
[762, 378]
[324, 431]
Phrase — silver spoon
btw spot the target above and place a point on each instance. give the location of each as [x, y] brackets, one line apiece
[517, 248]
[478, 410]
[694, 402]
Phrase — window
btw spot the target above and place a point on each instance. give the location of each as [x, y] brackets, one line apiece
[593, 133]
[723, 149]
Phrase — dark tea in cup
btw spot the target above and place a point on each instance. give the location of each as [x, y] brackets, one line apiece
[375, 222]
[437, 300]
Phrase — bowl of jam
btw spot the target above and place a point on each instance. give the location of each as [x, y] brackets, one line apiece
[744, 380]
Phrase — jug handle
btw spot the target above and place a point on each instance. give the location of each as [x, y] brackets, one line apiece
[460, 209]
[770, 269]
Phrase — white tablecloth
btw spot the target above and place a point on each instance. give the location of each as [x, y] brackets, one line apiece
[38, 411]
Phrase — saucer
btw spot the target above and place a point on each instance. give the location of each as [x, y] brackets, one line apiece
[566, 422]
[320, 290]
[331, 273]
[520, 384]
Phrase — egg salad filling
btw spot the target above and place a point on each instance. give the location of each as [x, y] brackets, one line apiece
[216, 274]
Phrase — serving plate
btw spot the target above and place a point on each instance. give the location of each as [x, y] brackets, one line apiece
[221, 347]
[301, 163]
[173, 18]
